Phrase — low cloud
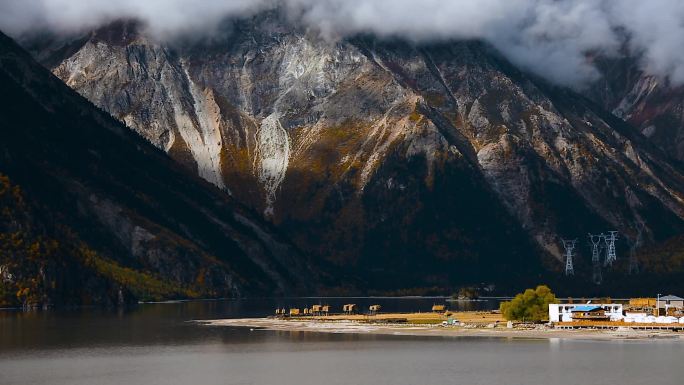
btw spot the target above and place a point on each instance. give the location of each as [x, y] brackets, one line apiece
[549, 37]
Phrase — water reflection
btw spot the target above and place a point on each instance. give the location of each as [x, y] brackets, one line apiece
[154, 344]
[166, 323]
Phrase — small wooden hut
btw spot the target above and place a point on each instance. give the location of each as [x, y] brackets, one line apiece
[349, 308]
[294, 312]
[439, 308]
[374, 309]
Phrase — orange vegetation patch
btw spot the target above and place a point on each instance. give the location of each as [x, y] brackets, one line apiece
[469, 317]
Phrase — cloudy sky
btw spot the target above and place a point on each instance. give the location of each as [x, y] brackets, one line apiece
[549, 37]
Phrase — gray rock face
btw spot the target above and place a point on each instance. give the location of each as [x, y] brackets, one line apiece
[648, 102]
[398, 160]
[120, 212]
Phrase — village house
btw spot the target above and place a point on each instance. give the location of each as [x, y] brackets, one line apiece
[565, 312]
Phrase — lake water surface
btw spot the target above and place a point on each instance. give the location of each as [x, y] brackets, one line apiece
[155, 344]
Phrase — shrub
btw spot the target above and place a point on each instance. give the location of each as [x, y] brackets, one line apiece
[532, 305]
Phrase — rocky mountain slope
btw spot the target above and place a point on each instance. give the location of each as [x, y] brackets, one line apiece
[92, 213]
[412, 164]
[651, 103]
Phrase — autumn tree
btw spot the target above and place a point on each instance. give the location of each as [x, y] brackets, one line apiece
[532, 305]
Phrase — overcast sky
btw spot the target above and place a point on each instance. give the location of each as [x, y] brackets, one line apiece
[549, 37]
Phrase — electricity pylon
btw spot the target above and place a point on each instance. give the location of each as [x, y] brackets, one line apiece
[596, 240]
[569, 246]
[610, 239]
[633, 263]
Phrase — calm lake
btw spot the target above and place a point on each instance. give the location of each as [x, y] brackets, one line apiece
[154, 344]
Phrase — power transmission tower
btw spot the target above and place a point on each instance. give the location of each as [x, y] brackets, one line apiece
[610, 239]
[633, 263]
[569, 246]
[596, 241]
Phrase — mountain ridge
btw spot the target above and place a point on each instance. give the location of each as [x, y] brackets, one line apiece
[651, 103]
[383, 156]
[121, 212]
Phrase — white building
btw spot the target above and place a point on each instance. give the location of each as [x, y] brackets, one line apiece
[562, 312]
[670, 302]
[637, 317]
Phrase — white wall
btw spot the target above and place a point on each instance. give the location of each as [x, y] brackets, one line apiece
[562, 312]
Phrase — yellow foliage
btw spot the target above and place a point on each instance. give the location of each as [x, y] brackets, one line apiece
[415, 116]
[532, 305]
[143, 285]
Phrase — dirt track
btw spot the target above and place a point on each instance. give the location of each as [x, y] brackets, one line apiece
[357, 327]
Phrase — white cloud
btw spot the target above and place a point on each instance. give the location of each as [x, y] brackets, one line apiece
[548, 37]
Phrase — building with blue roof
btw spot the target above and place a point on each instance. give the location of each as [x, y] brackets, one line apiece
[567, 312]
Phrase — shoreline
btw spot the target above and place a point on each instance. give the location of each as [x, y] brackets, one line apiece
[353, 327]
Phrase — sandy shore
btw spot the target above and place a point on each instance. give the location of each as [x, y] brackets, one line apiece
[438, 331]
